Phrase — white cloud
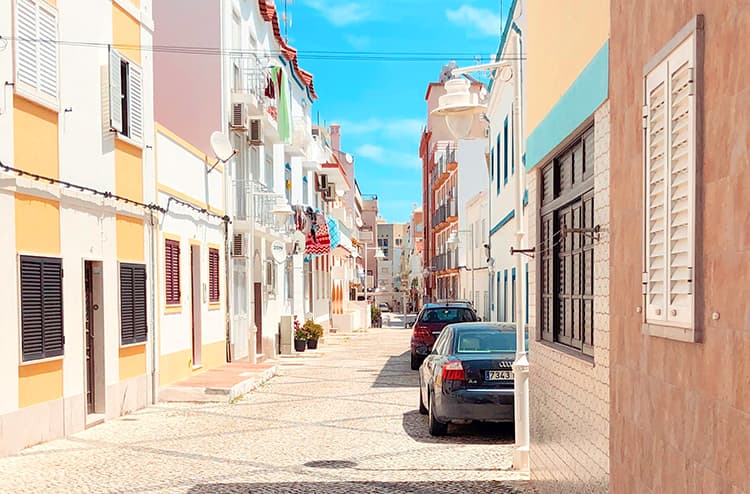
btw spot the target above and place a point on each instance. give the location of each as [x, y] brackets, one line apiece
[389, 157]
[358, 42]
[478, 21]
[341, 13]
[392, 128]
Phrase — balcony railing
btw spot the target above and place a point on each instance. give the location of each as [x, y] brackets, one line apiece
[251, 84]
[443, 157]
[447, 210]
[254, 201]
[446, 261]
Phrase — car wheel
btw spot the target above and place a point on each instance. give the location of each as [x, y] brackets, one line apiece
[422, 408]
[415, 362]
[437, 428]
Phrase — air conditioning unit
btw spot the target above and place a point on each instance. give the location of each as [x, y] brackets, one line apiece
[239, 245]
[316, 133]
[255, 131]
[239, 116]
[323, 182]
[329, 193]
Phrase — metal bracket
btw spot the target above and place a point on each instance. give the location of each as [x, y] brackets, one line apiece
[592, 233]
[526, 252]
[219, 161]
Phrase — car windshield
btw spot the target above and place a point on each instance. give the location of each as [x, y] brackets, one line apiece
[447, 315]
[486, 341]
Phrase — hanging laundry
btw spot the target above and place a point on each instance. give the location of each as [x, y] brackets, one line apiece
[318, 242]
[333, 232]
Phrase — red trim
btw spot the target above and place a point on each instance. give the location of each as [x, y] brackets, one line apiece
[268, 11]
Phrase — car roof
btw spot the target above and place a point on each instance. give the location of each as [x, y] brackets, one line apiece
[468, 326]
[439, 305]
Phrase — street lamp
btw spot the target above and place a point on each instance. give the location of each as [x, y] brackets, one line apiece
[455, 241]
[378, 256]
[459, 106]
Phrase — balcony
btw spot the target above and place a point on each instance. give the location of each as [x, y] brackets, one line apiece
[445, 163]
[256, 208]
[447, 212]
[446, 261]
[252, 85]
[337, 175]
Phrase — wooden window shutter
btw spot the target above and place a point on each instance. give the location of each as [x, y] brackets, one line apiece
[135, 94]
[133, 325]
[681, 195]
[172, 271]
[213, 275]
[42, 334]
[37, 55]
[115, 91]
[655, 114]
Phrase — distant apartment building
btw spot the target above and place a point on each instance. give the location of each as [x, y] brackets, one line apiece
[369, 238]
[391, 237]
[453, 171]
[567, 132]
[680, 247]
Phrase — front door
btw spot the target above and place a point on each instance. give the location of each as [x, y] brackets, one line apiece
[196, 300]
[89, 321]
[258, 318]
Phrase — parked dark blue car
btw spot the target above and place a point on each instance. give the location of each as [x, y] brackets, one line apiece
[468, 376]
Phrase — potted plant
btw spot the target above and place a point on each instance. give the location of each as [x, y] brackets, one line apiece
[300, 336]
[314, 332]
[375, 316]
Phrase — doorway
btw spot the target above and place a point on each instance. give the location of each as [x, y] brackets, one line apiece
[196, 302]
[94, 336]
[258, 306]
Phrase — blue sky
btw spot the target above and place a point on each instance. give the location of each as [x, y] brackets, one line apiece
[380, 105]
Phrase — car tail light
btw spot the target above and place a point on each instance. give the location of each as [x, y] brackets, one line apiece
[453, 371]
[421, 332]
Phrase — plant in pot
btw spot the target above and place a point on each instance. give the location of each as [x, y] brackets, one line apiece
[300, 336]
[375, 316]
[314, 332]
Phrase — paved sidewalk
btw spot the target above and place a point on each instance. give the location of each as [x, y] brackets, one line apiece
[225, 383]
[341, 420]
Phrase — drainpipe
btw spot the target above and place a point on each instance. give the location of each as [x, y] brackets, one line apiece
[227, 284]
[154, 290]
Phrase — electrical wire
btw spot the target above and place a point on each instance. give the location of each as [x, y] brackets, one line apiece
[330, 55]
[107, 194]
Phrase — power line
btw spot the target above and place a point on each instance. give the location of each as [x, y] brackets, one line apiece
[330, 55]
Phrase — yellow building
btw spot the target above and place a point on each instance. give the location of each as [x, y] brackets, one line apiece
[76, 315]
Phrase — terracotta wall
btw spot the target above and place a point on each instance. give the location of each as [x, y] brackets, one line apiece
[680, 412]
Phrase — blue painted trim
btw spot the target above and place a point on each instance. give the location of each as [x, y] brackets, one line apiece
[527, 293]
[525, 197]
[581, 99]
[523, 159]
[497, 162]
[304, 180]
[513, 295]
[503, 222]
[288, 167]
[505, 150]
[503, 38]
[505, 296]
[291, 71]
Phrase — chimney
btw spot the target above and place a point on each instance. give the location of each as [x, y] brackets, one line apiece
[336, 136]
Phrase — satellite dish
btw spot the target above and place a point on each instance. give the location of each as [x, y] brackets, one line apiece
[349, 158]
[221, 146]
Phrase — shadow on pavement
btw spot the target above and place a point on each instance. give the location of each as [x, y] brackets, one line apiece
[368, 487]
[415, 425]
[396, 373]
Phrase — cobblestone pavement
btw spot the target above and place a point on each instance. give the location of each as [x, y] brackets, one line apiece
[340, 420]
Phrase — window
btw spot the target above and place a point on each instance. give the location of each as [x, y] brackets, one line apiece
[305, 191]
[268, 172]
[42, 333]
[670, 156]
[271, 277]
[497, 161]
[513, 295]
[505, 295]
[567, 260]
[486, 341]
[133, 327]
[505, 151]
[213, 275]
[125, 97]
[239, 299]
[172, 271]
[36, 50]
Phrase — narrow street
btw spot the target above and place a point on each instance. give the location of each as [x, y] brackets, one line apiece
[340, 420]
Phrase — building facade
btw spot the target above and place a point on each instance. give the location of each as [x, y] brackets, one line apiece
[680, 347]
[566, 127]
[448, 165]
[79, 219]
[472, 257]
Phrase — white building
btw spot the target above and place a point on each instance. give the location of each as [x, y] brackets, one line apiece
[472, 254]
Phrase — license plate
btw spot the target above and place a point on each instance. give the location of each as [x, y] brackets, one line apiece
[498, 375]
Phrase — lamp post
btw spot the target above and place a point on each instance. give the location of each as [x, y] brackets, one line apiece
[378, 256]
[459, 106]
[454, 240]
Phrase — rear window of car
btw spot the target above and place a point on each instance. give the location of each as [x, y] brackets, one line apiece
[447, 315]
[485, 341]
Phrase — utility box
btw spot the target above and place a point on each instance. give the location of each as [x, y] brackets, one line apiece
[286, 335]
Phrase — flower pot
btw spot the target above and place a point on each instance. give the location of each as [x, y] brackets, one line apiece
[299, 345]
[312, 344]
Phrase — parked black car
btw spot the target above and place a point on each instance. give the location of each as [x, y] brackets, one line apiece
[468, 376]
[430, 322]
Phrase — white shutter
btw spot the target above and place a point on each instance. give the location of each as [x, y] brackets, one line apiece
[656, 183]
[115, 91]
[27, 49]
[135, 108]
[48, 58]
[681, 184]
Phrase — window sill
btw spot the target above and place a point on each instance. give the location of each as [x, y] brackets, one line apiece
[571, 352]
[127, 140]
[36, 97]
[133, 345]
[40, 361]
[686, 335]
[173, 309]
[214, 305]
